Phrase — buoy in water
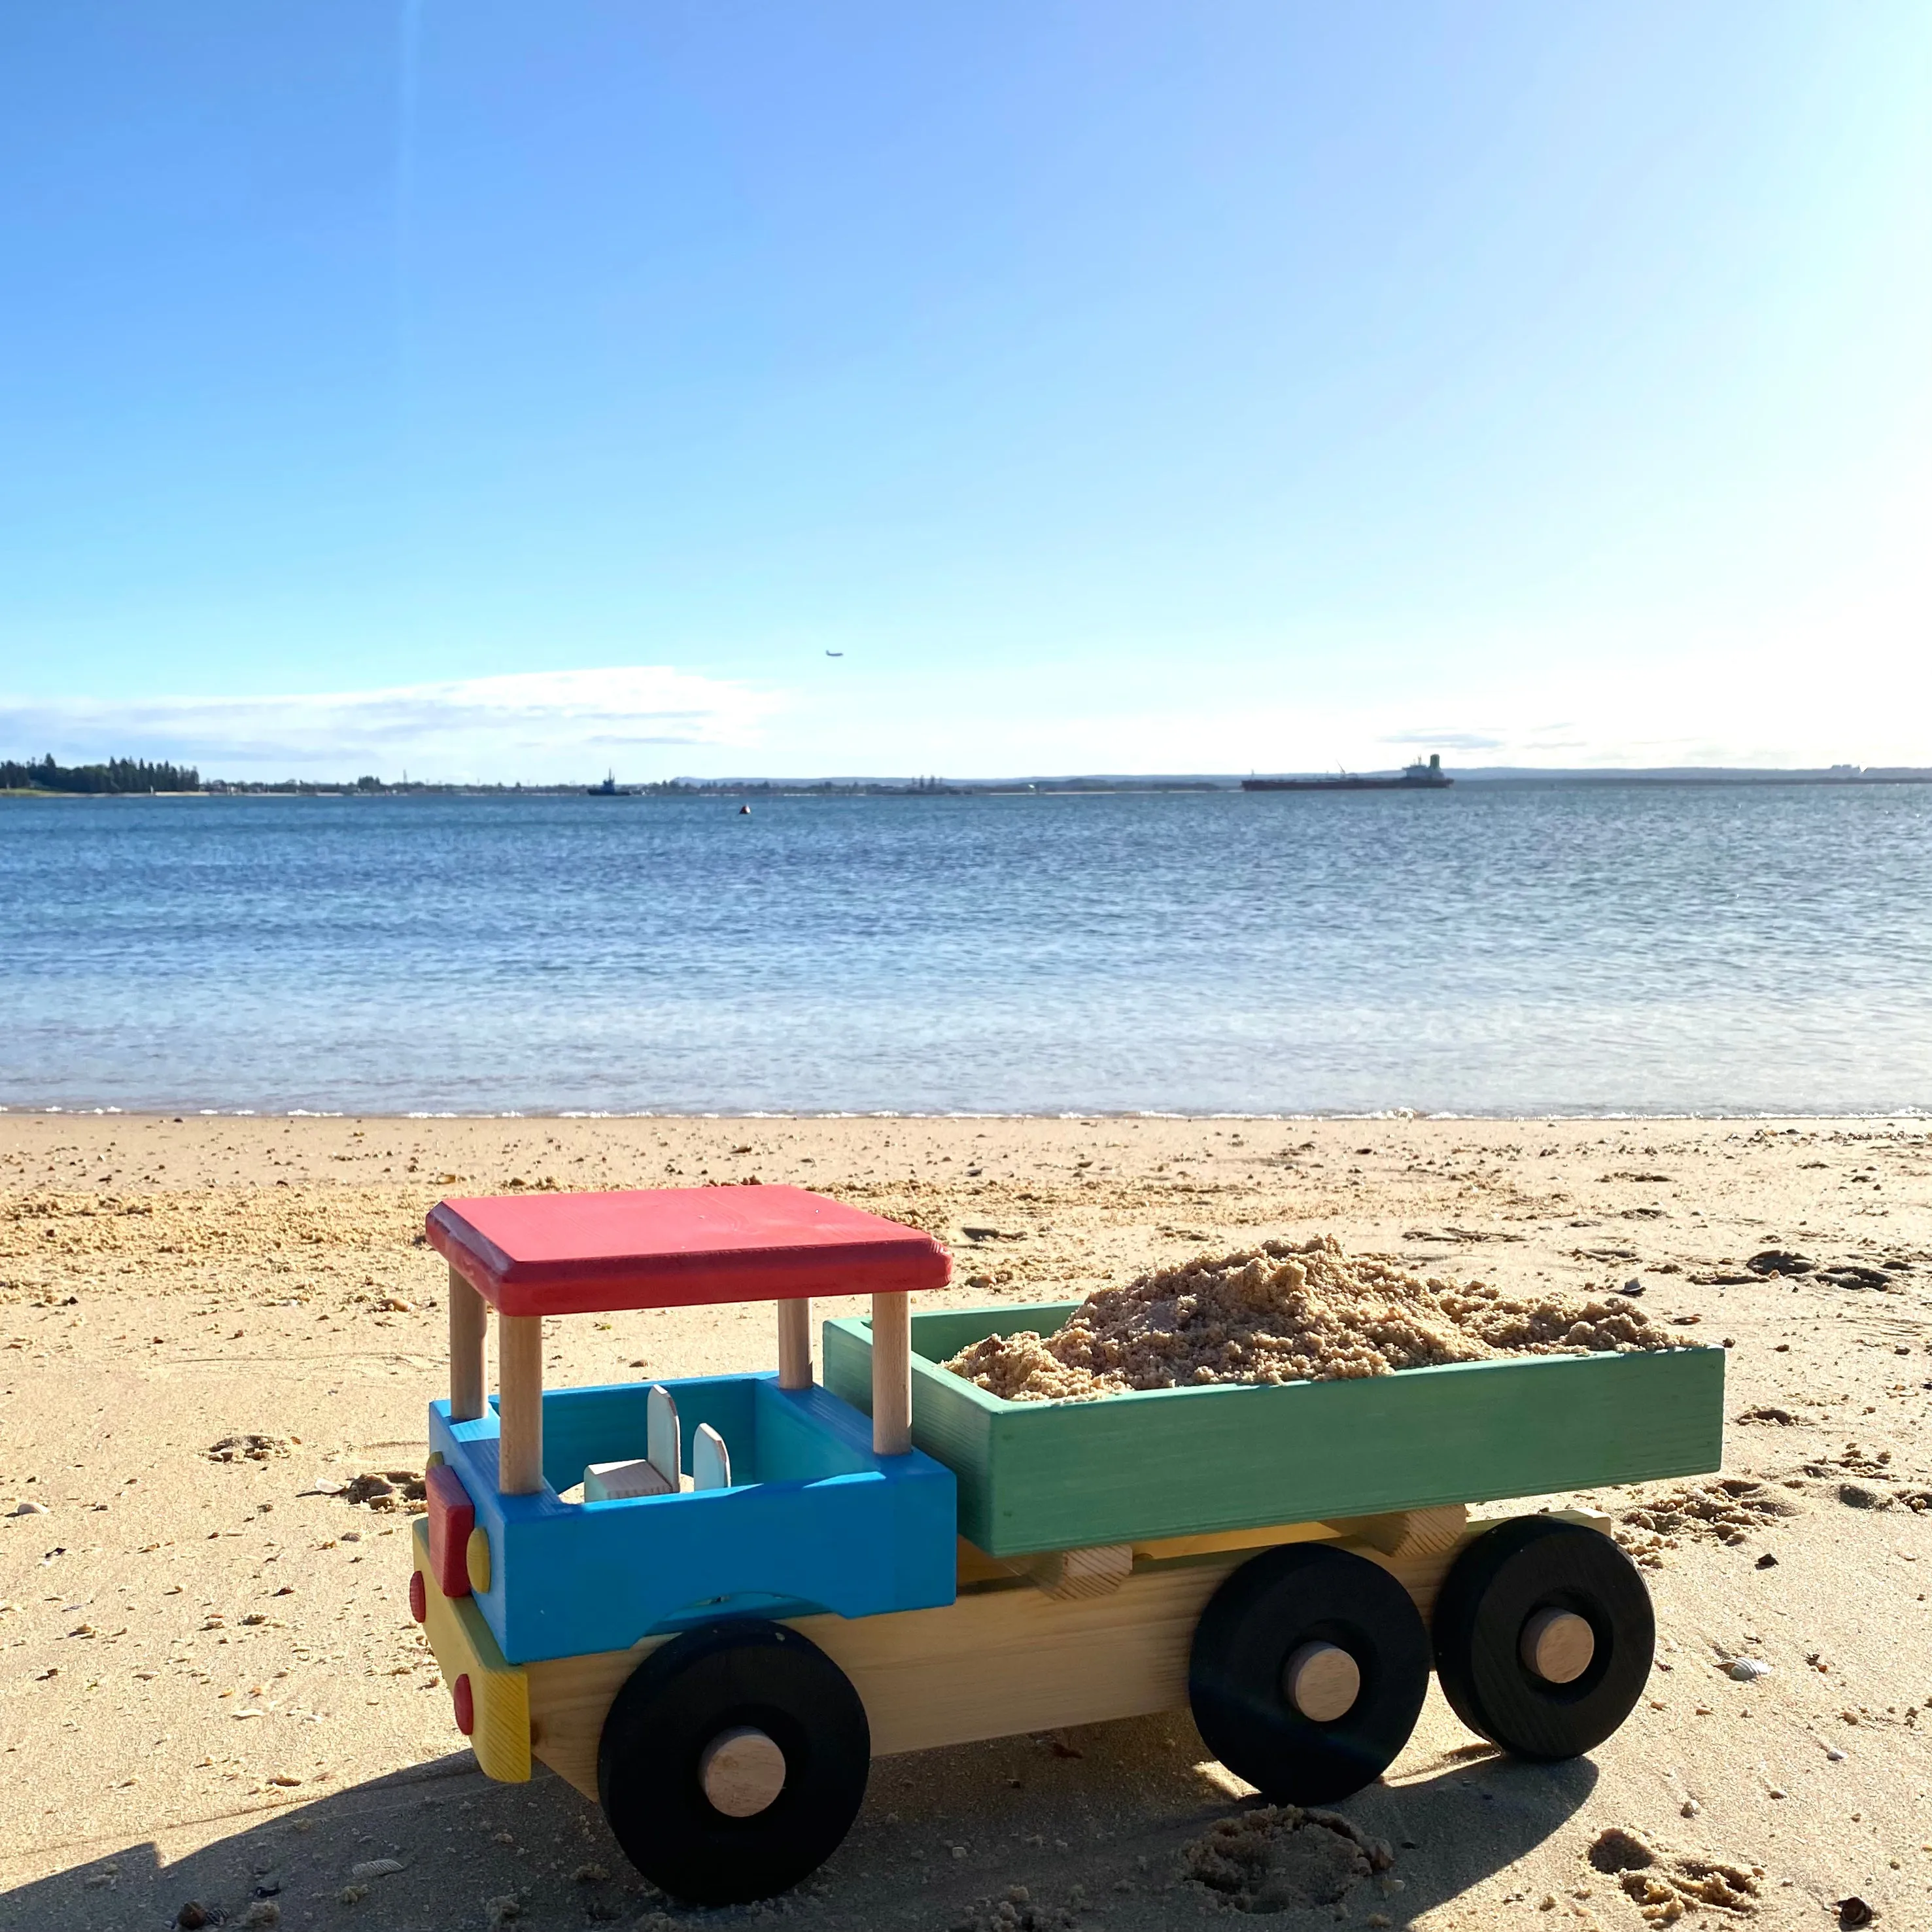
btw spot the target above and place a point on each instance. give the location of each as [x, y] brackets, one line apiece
[744, 811]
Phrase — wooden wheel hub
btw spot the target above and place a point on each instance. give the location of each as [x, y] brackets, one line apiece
[1322, 1682]
[1557, 1645]
[742, 1772]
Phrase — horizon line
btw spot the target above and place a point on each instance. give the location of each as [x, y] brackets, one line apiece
[935, 784]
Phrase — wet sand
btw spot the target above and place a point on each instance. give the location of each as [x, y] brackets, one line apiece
[210, 1686]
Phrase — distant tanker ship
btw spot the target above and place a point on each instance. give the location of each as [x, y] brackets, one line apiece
[1417, 777]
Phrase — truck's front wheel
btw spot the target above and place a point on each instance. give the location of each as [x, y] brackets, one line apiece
[733, 1763]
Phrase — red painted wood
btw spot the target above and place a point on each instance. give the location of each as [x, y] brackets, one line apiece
[676, 1247]
[452, 1516]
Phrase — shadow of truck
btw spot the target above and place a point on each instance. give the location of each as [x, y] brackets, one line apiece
[1089, 1825]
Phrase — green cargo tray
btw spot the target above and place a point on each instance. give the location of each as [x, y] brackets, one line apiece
[1185, 1462]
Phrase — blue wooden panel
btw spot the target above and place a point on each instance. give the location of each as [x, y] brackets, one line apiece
[804, 1434]
[842, 1530]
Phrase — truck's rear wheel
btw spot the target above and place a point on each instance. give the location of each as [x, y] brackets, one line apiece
[1307, 1673]
[1543, 1636]
[733, 1763]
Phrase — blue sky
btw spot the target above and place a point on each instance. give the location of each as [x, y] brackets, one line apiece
[511, 392]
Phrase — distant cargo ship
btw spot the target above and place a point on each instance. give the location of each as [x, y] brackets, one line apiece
[1417, 777]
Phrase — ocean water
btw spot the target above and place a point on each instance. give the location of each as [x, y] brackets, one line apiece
[1489, 949]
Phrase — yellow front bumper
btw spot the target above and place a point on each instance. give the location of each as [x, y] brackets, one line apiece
[499, 1692]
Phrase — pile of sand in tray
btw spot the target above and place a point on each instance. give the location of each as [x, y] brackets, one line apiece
[1289, 1312]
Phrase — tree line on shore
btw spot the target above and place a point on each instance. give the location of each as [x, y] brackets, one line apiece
[116, 775]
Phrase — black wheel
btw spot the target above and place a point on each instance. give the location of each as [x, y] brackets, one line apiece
[1543, 1636]
[1308, 1671]
[733, 1763]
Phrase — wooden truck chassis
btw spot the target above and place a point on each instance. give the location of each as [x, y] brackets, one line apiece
[1006, 1656]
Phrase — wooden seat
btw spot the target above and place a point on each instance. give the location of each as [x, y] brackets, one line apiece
[660, 1471]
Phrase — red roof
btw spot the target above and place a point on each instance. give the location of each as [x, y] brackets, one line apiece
[676, 1247]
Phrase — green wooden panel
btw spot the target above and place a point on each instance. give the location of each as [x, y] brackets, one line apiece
[1185, 1462]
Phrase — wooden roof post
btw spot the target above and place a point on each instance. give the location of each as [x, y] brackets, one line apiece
[468, 1317]
[519, 1406]
[795, 1343]
[892, 1374]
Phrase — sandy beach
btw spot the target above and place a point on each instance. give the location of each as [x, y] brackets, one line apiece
[211, 1689]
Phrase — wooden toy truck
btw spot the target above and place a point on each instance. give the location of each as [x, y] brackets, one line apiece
[764, 1587]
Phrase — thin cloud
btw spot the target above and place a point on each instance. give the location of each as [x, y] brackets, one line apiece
[1445, 741]
[534, 726]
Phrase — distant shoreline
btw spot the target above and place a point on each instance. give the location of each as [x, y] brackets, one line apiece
[1142, 784]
